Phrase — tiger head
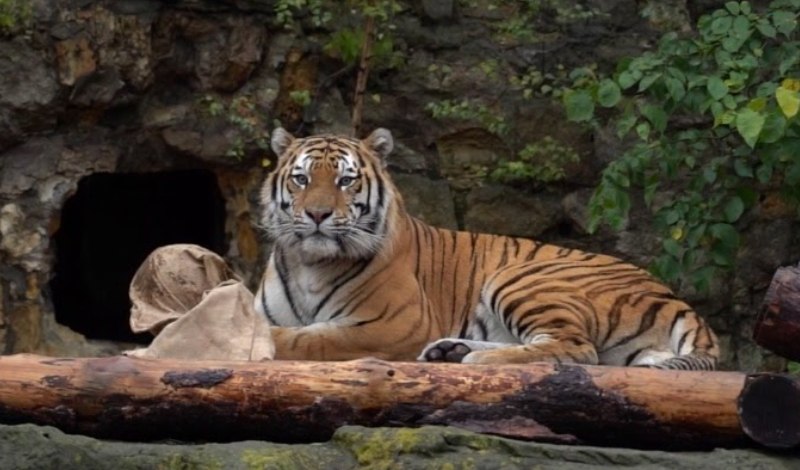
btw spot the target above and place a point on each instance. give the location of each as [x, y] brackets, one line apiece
[330, 196]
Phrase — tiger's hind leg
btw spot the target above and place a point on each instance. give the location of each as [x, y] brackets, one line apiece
[698, 361]
[548, 321]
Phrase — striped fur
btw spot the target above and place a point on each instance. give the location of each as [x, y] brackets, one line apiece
[353, 275]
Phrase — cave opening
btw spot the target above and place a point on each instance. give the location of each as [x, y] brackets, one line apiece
[110, 225]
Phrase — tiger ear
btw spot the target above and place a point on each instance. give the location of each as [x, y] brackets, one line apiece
[281, 140]
[380, 142]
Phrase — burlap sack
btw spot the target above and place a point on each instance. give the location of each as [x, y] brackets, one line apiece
[197, 308]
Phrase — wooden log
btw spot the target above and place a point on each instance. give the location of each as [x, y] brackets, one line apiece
[138, 399]
[769, 409]
[777, 327]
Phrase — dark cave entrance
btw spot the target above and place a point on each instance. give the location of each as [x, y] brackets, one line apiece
[110, 226]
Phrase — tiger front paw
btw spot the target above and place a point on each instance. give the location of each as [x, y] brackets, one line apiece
[445, 350]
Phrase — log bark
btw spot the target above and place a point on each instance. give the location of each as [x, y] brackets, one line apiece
[137, 399]
[778, 325]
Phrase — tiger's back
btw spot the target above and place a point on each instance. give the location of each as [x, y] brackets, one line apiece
[353, 275]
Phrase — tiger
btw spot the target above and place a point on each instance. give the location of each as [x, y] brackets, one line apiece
[352, 274]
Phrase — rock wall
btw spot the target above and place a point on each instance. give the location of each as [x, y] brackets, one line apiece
[145, 85]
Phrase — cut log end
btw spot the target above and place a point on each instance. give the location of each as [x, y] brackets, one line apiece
[769, 410]
[778, 325]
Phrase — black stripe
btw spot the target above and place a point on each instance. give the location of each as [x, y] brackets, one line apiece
[678, 316]
[532, 254]
[368, 208]
[504, 257]
[516, 247]
[374, 319]
[682, 340]
[646, 323]
[602, 274]
[632, 281]
[632, 356]
[656, 295]
[563, 265]
[483, 331]
[264, 306]
[284, 278]
[471, 283]
[614, 315]
[361, 294]
[346, 277]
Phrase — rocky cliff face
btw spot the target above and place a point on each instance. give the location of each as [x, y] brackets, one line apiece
[113, 87]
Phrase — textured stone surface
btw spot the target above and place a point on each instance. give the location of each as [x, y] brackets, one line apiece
[27, 447]
[438, 10]
[430, 200]
[502, 210]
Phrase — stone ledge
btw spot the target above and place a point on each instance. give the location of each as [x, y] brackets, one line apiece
[32, 447]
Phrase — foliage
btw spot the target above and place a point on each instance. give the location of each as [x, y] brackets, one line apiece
[714, 121]
[542, 162]
[15, 16]
[301, 97]
[286, 12]
[347, 42]
[241, 112]
[468, 110]
[793, 367]
[522, 24]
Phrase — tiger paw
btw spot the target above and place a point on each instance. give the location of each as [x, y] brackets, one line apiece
[445, 350]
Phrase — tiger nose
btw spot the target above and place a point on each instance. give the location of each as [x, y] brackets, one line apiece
[319, 215]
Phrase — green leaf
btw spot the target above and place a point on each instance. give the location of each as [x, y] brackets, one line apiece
[650, 190]
[721, 25]
[647, 81]
[709, 174]
[732, 7]
[741, 26]
[626, 80]
[766, 29]
[742, 168]
[726, 234]
[745, 6]
[656, 115]
[758, 104]
[675, 88]
[716, 87]
[749, 124]
[579, 104]
[667, 268]
[672, 216]
[793, 367]
[608, 93]
[788, 100]
[625, 124]
[734, 209]
[732, 44]
[695, 234]
[701, 279]
[784, 21]
[774, 128]
[643, 130]
[673, 248]
[764, 173]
